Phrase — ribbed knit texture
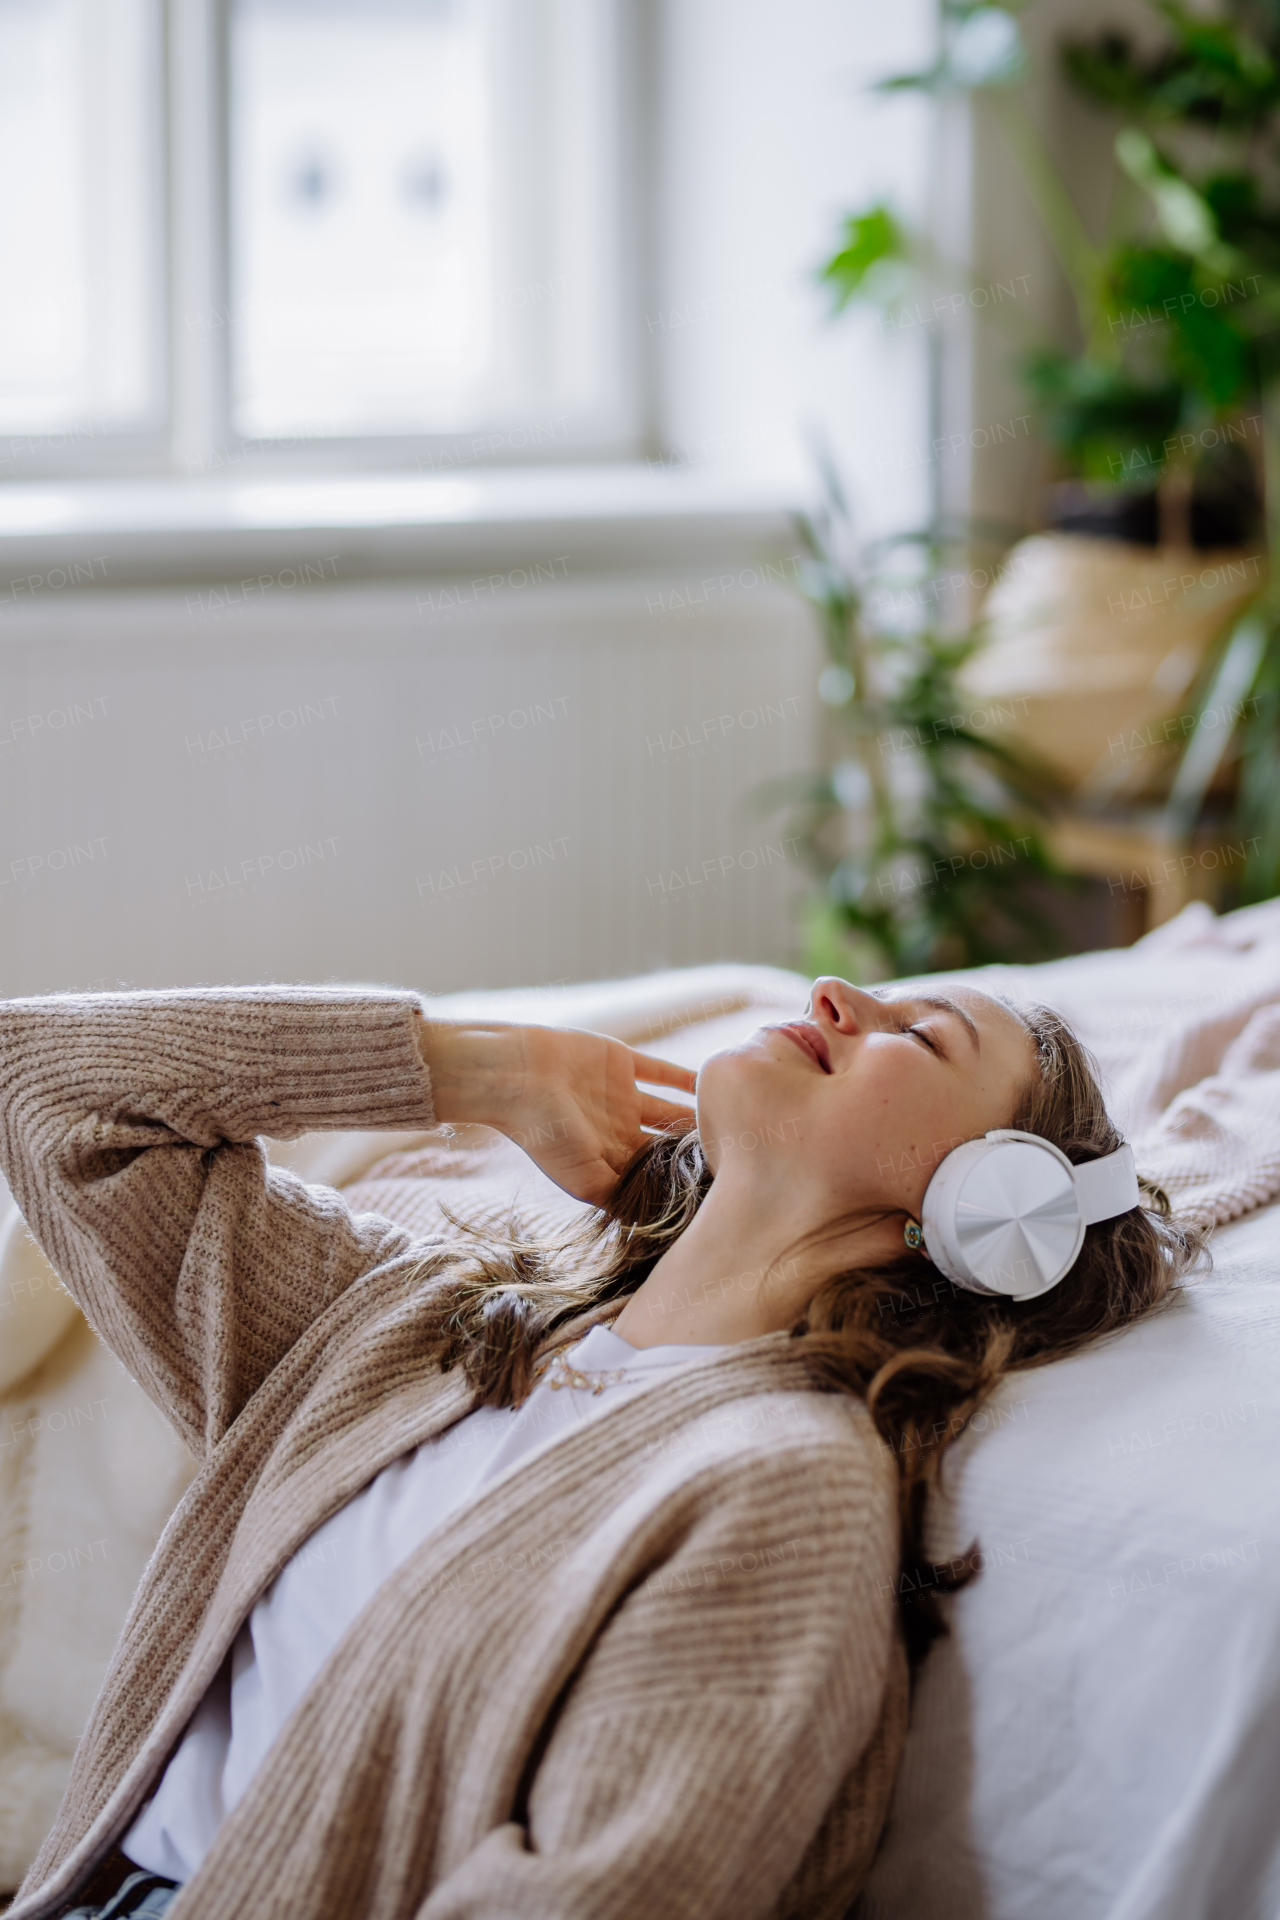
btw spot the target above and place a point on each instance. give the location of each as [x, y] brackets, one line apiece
[1216, 1147]
[654, 1668]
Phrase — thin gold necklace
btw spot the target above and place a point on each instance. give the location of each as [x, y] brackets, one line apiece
[582, 1379]
[564, 1374]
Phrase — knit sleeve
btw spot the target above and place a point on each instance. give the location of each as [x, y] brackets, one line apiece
[129, 1132]
[727, 1750]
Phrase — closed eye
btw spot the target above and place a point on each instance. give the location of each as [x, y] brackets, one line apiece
[923, 1034]
[939, 1044]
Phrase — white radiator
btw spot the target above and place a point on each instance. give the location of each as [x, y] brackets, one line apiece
[525, 778]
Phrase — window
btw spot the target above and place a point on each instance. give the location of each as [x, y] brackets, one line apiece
[392, 223]
[81, 346]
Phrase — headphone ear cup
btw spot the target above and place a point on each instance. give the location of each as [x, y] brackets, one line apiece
[1001, 1216]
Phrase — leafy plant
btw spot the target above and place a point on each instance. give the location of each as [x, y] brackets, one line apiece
[1170, 338]
[1216, 73]
[872, 260]
[926, 830]
[1108, 425]
[1214, 266]
[1257, 812]
[1179, 311]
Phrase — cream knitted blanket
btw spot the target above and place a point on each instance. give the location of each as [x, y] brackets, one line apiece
[1186, 1028]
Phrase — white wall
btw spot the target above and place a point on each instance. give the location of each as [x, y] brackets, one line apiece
[768, 137]
[369, 782]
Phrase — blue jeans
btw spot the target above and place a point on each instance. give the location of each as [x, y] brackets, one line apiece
[141, 1896]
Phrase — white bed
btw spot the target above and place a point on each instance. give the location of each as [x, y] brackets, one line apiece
[1100, 1735]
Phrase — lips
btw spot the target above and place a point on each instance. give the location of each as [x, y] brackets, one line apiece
[811, 1040]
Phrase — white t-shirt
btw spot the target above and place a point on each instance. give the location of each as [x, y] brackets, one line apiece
[299, 1620]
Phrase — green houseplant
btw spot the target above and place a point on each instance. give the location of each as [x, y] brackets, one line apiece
[1178, 314]
[926, 830]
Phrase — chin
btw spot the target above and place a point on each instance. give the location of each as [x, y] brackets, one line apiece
[757, 1053]
[739, 1088]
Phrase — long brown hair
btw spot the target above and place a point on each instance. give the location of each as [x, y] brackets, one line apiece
[922, 1353]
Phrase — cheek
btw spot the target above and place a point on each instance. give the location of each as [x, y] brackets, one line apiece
[912, 1115]
[905, 1090]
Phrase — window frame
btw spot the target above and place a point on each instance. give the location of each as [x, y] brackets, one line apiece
[195, 439]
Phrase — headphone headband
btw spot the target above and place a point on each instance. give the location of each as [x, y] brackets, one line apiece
[1006, 1214]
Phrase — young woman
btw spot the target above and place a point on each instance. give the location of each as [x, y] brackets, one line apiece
[557, 1582]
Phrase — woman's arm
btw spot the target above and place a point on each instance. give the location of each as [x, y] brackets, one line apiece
[129, 1132]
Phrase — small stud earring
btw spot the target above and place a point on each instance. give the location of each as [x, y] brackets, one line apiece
[913, 1234]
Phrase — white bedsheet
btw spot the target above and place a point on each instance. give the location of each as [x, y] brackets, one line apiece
[1100, 1736]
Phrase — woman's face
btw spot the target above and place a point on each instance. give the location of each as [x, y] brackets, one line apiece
[852, 1108]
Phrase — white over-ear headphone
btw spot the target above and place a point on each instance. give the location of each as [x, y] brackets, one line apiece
[1006, 1214]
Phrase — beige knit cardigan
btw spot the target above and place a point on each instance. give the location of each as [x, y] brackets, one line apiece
[654, 1668]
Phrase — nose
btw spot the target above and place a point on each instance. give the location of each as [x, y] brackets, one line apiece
[834, 1004]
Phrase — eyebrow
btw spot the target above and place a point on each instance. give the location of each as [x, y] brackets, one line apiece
[945, 1004]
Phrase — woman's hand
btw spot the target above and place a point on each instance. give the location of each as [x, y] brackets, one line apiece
[570, 1099]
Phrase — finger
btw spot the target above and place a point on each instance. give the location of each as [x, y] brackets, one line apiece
[662, 1073]
[660, 1113]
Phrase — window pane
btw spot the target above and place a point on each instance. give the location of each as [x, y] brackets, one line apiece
[400, 225]
[79, 215]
